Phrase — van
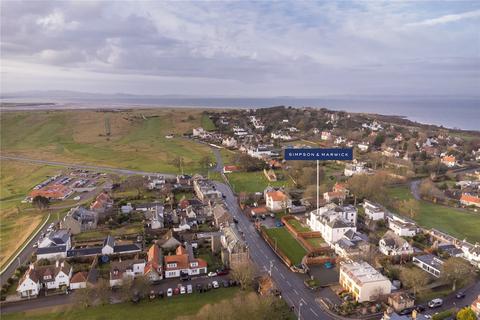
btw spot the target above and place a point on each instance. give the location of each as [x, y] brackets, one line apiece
[435, 303]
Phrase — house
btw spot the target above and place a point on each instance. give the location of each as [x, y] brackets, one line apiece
[260, 152]
[205, 189]
[256, 212]
[363, 281]
[326, 135]
[229, 142]
[471, 253]
[198, 132]
[333, 221]
[429, 263]
[363, 146]
[354, 168]
[391, 153]
[79, 219]
[126, 269]
[52, 192]
[234, 252]
[402, 226]
[374, 126]
[156, 183]
[168, 241]
[240, 132]
[281, 136]
[221, 216]
[373, 211]
[340, 187]
[102, 203]
[393, 245]
[107, 248]
[332, 196]
[154, 266]
[352, 244]
[154, 214]
[184, 263]
[449, 161]
[55, 245]
[400, 301]
[79, 280]
[277, 201]
[230, 169]
[126, 209]
[49, 277]
[470, 199]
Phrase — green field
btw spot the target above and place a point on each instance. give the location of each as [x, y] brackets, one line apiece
[287, 244]
[130, 229]
[252, 182]
[18, 220]
[207, 123]
[458, 223]
[168, 308]
[136, 141]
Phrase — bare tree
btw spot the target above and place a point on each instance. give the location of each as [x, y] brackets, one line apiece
[103, 291]
[243, 274]
[413, 278]
[456, 270]
[85, 296]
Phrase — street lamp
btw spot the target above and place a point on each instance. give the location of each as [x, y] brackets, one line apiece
[271, 265]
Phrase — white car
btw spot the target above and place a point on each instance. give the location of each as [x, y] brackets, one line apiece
[183, 290]
[169, 292]
[215, 285]
[189, 288]
[212, 274]
[435, 303]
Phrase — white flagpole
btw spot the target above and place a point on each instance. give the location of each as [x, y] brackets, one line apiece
[318, 184]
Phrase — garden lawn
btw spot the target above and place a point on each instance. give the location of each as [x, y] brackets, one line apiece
[207, 123]
[287, 244]
[458, 223]
[252, 182]
[132, 228]
[316, 242]
[167, 308]
[298, 226]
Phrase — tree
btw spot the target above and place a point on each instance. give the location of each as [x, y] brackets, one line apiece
[136, 182]
[205, 162]
[456, 270]
[141, 285]
[102, 291]
[466, 314]
[41, 202]
[125, 292]
[178, 162]
[410, 207]
[85, 296]
[413, 278]
[243, 274]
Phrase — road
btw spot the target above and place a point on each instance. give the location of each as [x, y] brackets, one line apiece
[86, 166]
[291, 285]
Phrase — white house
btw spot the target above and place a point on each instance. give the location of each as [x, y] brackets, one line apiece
[471, 253]
[333, 221]
[326, 135]
[393, 245]
[184, 263]
[198, 132]
[363, 281]
[354, 168]
[363, 146]
[120, 270]
[229, 142]
[55, 245]
[277, 201]
[429, 263]
[50, 277]
[373, 211]
[402, 226]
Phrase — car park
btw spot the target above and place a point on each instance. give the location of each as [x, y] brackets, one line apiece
[215, 285]
[435, 303]
[169, 292]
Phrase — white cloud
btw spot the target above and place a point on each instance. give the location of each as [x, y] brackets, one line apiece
[447, 19]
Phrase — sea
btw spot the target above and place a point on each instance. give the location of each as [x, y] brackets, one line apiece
[450, 112]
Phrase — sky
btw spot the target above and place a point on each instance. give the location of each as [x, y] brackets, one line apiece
[242, 49]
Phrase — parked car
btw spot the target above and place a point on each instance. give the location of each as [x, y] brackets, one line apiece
[232, 283]
[460, 295]
[160, 294]
[263, 217]
[225, 284]
[272, 215]
[215, 285]
[152, 295]
[169, 292]
[406, 311]
[199, 287]
[222, 272]
[435, 303]
[235, 220]
[212, 274]
[176, 291]
[189, 288]
[183, 290]
[209, 286]
[420, 308]
[185, 277]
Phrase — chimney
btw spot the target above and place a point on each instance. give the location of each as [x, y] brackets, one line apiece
[31, 266]
[62, 264]
[57, 263]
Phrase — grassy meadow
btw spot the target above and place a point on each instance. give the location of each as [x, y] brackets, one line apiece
[456, 222]
[253, 181]
[137, 139]
[18, 220]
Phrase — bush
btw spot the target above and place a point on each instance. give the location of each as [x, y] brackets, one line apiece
[443, 315]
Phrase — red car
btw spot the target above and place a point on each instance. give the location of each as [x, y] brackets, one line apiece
[176, 291]
[222, 272]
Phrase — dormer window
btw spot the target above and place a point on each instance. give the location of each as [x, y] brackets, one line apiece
[194, 264]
